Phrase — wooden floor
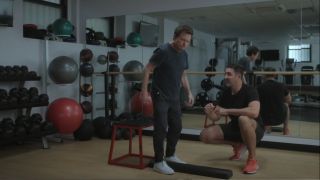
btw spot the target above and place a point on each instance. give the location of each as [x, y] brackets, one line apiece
[88, 160]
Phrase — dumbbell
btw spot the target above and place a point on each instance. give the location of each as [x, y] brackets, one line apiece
[23, 95]
[7, 127]
[17, 71]
[47, 126]
[9, 72]
[3, 93]
[20, 126]
[14, 92]
[34, 124]
[3, 72]
[24, 70]
[34, 95]
[43, 98]
[11, 100]
[31, 74]
[33, 91]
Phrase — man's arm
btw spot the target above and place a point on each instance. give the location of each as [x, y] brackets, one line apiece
[252, 111]
[144, 89]
[186, 87]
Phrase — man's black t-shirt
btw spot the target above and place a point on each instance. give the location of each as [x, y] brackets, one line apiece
[239, 100]
[272, 95]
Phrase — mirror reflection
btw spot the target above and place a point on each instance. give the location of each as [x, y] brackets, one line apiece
[285, 32]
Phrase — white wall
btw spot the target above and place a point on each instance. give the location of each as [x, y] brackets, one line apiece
[282, 45]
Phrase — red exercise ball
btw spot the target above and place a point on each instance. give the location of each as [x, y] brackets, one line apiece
[65, 114]
[137, 106]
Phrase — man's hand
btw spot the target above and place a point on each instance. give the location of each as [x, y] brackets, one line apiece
[221, 111]
[190, 101]
[209, 108]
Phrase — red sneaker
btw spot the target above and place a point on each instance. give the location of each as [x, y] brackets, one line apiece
[251, 166]
[239, 151]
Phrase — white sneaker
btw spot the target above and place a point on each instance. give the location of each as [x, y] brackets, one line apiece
[163, 168]
[175, 159]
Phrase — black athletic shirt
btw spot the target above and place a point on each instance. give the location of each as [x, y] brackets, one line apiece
[240, 100]
[167, 74]
[272, 95]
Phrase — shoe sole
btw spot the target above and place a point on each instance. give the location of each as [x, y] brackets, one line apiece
[158, 171]
[251, 172]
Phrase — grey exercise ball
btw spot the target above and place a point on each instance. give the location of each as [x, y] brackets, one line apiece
[63, 70]
[133, 66]
[102, 59]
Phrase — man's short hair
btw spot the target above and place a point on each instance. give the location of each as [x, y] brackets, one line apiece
[238, 69]
[182, 29]
[252, 50]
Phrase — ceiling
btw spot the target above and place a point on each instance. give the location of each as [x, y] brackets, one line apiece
[262, 21]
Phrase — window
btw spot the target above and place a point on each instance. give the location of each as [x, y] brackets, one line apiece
[300, 53]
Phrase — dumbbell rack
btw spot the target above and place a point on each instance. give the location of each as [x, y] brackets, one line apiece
[20, 107]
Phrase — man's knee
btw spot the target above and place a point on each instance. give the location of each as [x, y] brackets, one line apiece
[209, 135]
[246, 122]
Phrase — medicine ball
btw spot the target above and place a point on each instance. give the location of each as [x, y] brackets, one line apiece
[86, 55]
[86, 107]
[86, 90]
[86, 69]
[85, 132]
[113, 56]
[114, 68]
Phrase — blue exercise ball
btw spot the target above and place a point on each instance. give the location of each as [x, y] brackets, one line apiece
[62, 27]
[134, 39]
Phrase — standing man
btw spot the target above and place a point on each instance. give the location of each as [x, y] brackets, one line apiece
[275, 99]
[248, 62]
[168, 63]
[240, 103]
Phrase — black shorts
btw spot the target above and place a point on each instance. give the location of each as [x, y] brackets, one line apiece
[276, 119]
[232, 132]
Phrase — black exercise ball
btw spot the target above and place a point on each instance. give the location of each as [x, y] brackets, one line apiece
[213, 62]
[63, 70]
[207, 84]
[202, 99]
[210, 69]
[85, 132]
[86, 69]
[102, 127]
